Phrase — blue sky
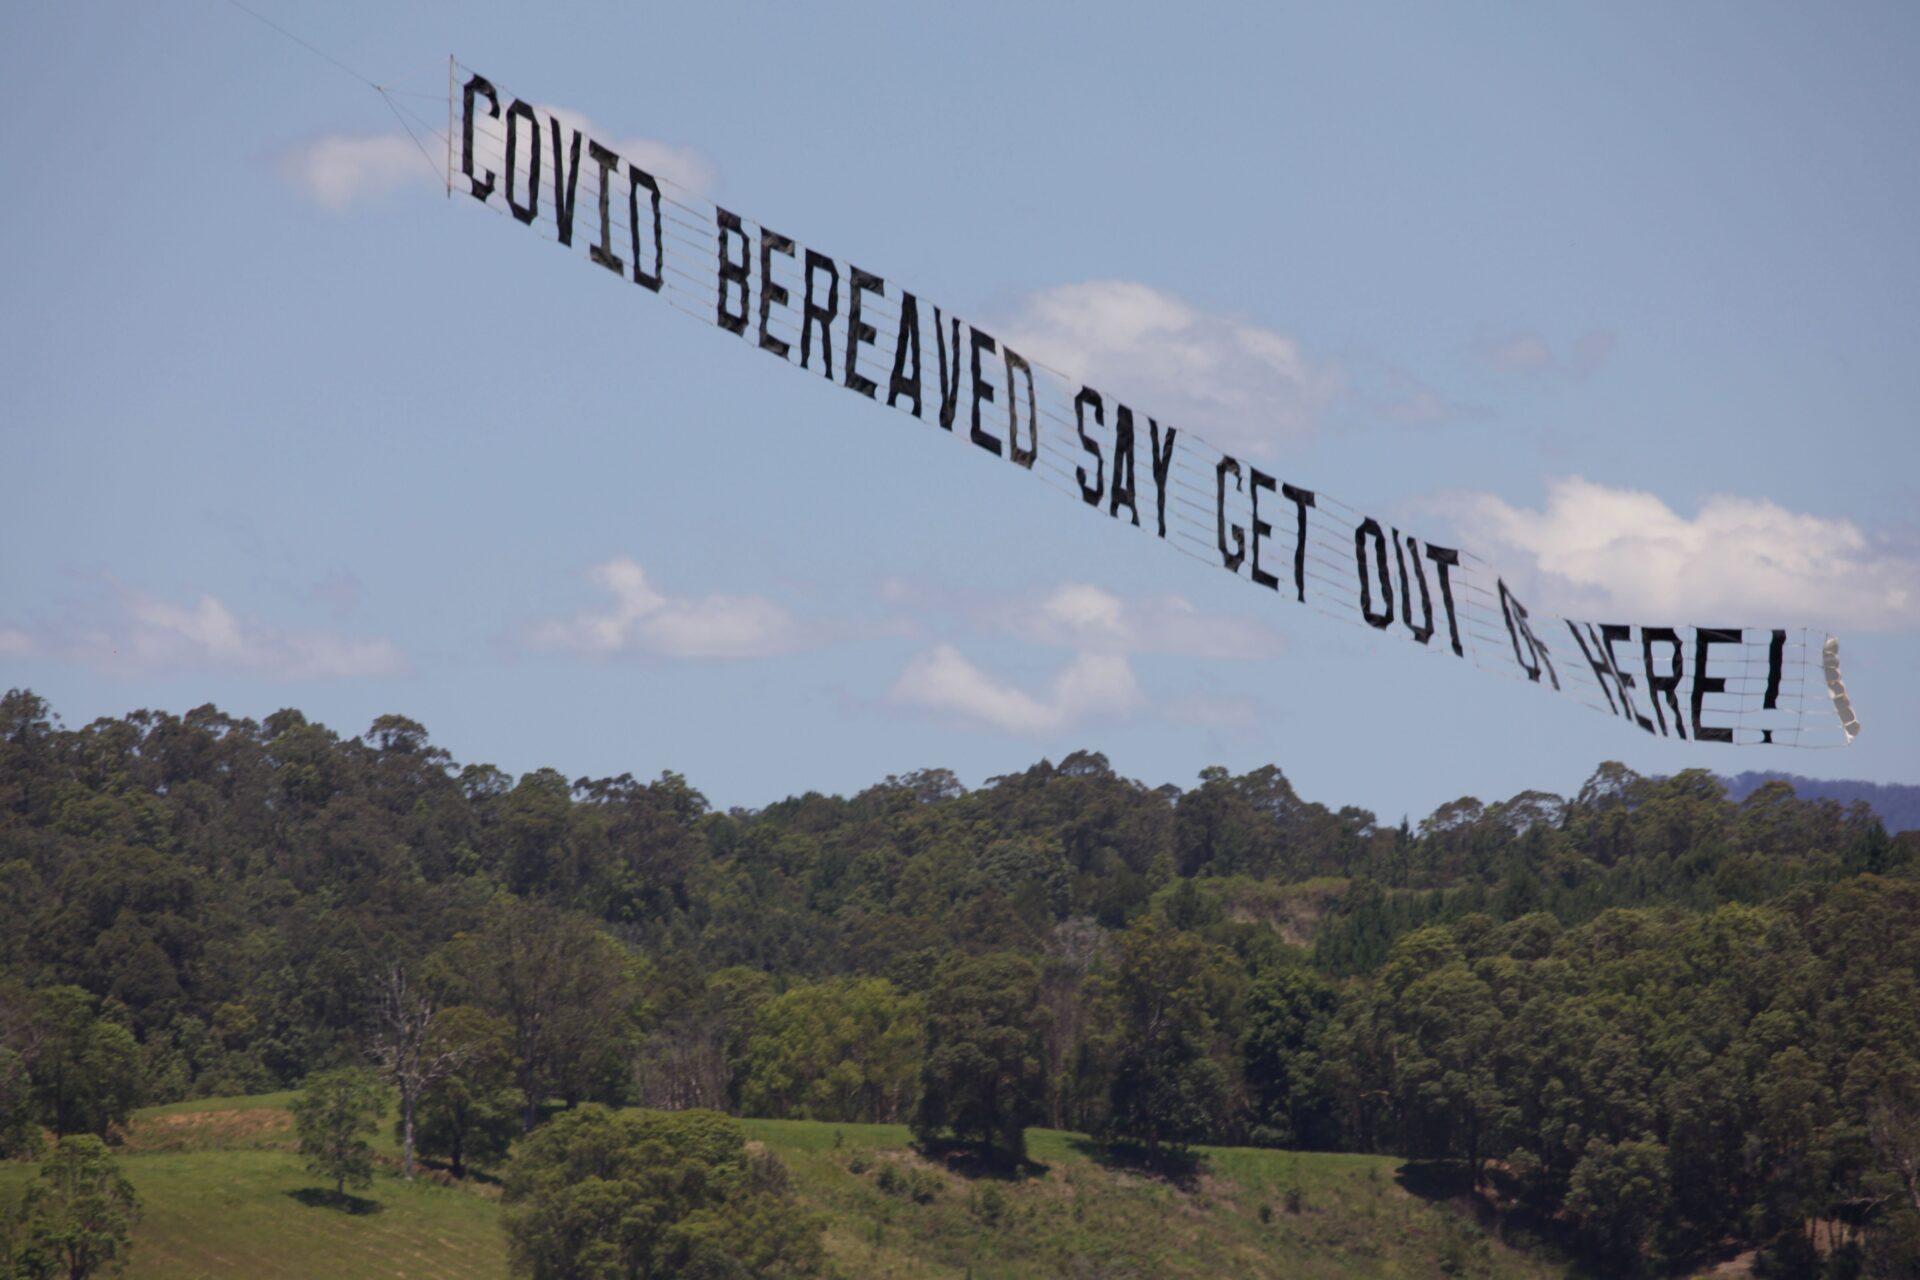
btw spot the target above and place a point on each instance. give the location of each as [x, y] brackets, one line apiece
[1622, 297]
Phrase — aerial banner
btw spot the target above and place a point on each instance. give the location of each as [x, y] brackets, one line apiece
[833, 319]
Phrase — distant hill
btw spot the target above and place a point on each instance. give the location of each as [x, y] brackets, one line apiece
[1897, 804]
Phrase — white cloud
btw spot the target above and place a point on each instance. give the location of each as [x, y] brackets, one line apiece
[1599, 551]
[683, 166]
[1101, 633]
[1520, 353]
[644, 620]
[1589, 353]
[1529, 352]
[1089, 619]
[1246, 388]
[131, 632]
[339, 170]
[1092, 686]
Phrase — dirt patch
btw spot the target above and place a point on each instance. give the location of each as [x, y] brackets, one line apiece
[211, 1130]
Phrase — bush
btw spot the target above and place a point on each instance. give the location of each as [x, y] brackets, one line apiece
[332, 1114]
[77, 1220]
[648, 1195]
[991, 1206]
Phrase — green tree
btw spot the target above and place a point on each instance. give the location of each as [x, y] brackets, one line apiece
[570, 993]
[86, 1070]
[984, 1074]
[473, 1111]
[1617, 1193]
[412, 1050]
[19, 1135]
[1288, 1010]
[333, 1114]
[77, 1220]
[1167, 1017]
[602, 1195]
[842, 1050]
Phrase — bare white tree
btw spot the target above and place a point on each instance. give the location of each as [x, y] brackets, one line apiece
[409, 1054]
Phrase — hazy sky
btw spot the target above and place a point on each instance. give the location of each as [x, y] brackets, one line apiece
[1623, 297]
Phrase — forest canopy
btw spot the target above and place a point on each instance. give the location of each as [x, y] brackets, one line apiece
[1664, 1018]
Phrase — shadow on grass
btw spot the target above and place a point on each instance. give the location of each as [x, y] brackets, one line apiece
[321, 1198]
[1178, 1165]
[446, 1175]
[968, 1160]
[1501, 1207]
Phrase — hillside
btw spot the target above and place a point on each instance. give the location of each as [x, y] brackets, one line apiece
[225, 1195]
[1671, 1025]
[1897, 804]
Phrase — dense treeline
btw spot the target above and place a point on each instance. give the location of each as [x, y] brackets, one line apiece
[1651, 1019]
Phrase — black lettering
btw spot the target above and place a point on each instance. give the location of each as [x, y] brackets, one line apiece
[1260, 480]
[517, 112]
[1776, 652]
[1370, 528]
[858, 331]
[1603, 670]
[982, 391]
[476, 85]
[1666, 684]
[1517, 629]
[811, 313]
[1704, 638]
[564, 192]
[1421, 632]
[602, 250]
[1231, 559]
[733, 272]
[1090, 493]
[772, 295]
[1301, 500]
[1121, 493]
[1162, 465]
[638, 178]
[1017, 364]
[1612, 633]
[1445, 558]
[949, 385]
[907, 339]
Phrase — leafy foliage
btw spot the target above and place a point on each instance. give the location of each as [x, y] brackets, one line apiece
[983, 1079]
[77, 1219]
[1663, 1017]
[333, 1115]
[600, 1195]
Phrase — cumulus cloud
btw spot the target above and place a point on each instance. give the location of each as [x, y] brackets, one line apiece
[1522, 353]
[1590, 351]
[1092, 686]
[1247, 388]
[1101, 633]
[129, 631]
[1089, 619]
[1529, 352]
[338, 170]
[1598, 551]
[642, 619]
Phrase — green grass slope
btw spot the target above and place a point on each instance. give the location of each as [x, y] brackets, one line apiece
[225, 1196]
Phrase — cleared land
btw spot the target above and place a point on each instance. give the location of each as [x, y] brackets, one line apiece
[225, 1196]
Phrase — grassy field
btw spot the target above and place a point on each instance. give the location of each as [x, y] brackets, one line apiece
[225, 1196]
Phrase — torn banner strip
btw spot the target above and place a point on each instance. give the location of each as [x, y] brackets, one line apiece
[835, 320]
